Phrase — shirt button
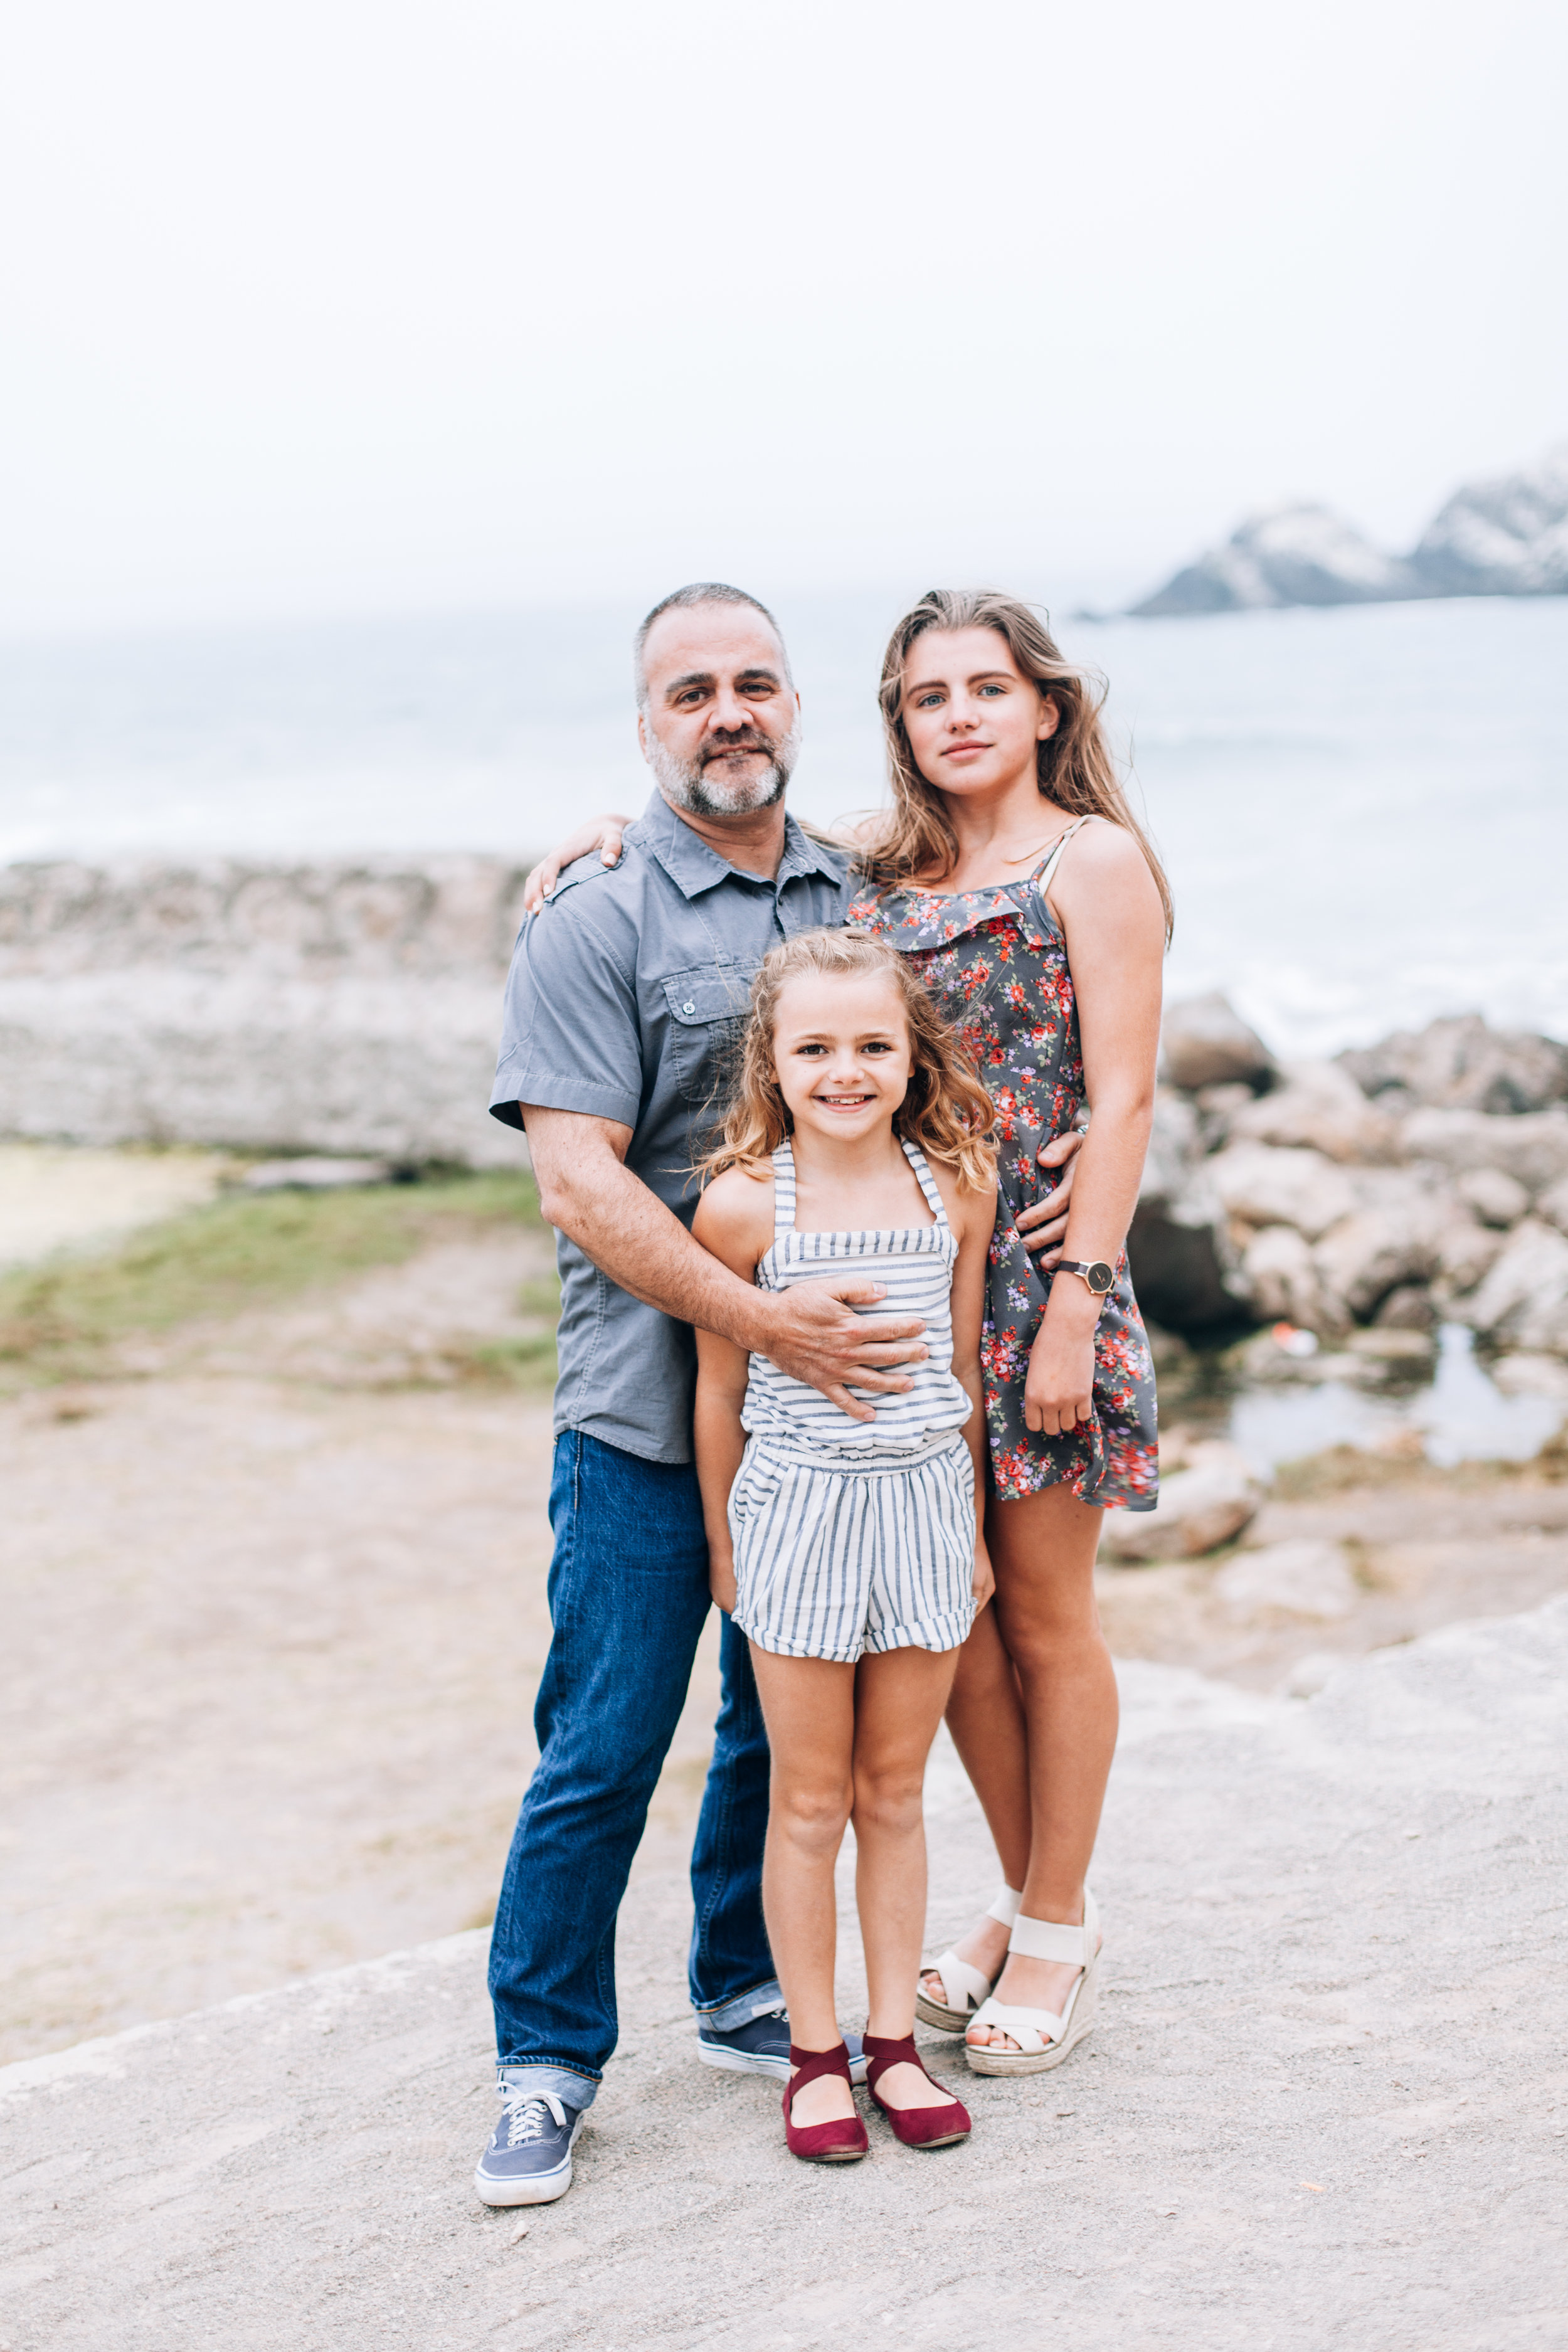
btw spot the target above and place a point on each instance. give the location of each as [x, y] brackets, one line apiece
[688, 1006]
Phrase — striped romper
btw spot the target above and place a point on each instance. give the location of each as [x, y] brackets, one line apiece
[854, 1536]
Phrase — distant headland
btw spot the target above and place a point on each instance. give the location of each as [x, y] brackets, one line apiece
[1506, 537]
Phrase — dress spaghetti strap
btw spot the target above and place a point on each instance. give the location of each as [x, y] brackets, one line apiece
[1046, 875]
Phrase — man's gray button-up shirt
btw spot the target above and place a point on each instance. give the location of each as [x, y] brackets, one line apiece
[624, 1000]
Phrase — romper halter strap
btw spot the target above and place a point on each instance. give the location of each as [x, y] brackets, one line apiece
[784, 1189]
[1046, 873]
[926, 1182]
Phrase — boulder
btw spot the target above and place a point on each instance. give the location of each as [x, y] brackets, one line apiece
[1497, 1200]
[1216, 1106]
[1212, 1499]
[1261, 1185]
[315, 1175]
[1465, 1254]
[1185, 1269]
[1303, 1578]
[1321, 1106]
[1282, 1280]
[1392, 1239]
[1463, 1063]
[1523, 1375]
[1553, 1205]
[1206, 1042]
[1523, 1301]
[1407, 1308]
[1532, 1147]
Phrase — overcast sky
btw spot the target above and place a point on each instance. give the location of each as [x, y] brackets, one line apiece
[323, 305]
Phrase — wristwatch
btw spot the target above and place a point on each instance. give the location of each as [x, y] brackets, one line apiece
[1097, 1273]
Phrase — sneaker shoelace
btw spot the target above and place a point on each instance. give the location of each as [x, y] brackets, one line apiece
[523, 2116]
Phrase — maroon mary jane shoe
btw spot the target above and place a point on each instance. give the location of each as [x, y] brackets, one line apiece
[932, 2126]
[838, 2142]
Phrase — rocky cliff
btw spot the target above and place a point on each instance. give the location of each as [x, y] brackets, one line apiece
[342, 1008]
[1507, 537]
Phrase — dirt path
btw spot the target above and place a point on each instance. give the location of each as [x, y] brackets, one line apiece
[272, 1654]
[274, 1617]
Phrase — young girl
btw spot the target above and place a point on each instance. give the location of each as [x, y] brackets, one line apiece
[849, 1550]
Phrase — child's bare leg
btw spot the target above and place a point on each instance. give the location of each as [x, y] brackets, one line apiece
[898, 1699]
[809, 1706]
[985, 1716]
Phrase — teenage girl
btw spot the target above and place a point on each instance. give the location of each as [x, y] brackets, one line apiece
[849, 1550]
[1016, 881]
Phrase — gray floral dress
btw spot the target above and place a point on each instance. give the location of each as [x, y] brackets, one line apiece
[997, 964]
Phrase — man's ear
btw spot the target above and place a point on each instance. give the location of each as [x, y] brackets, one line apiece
[642, 733]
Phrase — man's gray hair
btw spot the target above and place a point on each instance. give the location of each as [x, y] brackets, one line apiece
[699, 592]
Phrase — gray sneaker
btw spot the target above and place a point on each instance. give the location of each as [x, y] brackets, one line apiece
[529, 2160]
[761, 2046]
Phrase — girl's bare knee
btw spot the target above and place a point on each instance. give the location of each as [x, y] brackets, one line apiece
[811, 1813]
[887, 1801]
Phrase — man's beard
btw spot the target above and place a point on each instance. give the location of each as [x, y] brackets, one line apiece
[699, 789]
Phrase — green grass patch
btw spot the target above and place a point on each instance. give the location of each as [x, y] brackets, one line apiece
[62, 1320]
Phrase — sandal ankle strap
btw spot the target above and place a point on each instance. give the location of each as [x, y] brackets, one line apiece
[814, 2063]
[1004, 1909]
[1055, 1939]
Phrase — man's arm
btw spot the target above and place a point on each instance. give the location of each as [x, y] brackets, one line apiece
[809, 1331]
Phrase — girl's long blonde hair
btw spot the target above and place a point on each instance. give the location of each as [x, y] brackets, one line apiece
[947, 1111]
[1075, 767]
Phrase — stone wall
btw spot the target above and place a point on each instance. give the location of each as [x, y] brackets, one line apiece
[351, 1007]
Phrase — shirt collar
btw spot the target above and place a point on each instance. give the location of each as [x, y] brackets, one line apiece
[693, 868]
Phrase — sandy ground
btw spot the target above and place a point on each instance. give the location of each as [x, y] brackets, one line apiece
[275, 1610]
[52, 1198]
[1325, 2103]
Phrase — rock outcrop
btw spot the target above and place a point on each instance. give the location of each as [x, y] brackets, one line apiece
[1291, 555]
[348, 1008]
[1362, 1200]
[1507, 537]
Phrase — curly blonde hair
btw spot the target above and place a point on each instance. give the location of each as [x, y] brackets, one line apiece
[1075, 769]
[947, 1111]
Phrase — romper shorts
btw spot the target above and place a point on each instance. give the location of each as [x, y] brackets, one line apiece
[838, 1562]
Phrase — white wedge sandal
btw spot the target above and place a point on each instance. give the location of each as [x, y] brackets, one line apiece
[958, 1977]
[1042, 2038]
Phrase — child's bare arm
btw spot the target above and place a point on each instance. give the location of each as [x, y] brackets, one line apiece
[973, 1216]
[736, 1226]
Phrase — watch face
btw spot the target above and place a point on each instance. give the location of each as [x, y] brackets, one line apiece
[1100, 1277]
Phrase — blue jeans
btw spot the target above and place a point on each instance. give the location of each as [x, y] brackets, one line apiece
[628, 1595]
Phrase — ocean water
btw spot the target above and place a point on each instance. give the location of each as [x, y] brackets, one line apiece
[1364, 811]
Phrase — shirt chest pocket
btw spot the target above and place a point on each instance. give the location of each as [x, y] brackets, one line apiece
[706, 1007]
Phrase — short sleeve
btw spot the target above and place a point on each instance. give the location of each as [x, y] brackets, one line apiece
[571, 1039]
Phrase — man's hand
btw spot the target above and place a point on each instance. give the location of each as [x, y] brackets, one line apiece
[810, 1332]
[600, 833]
[1042, 1226]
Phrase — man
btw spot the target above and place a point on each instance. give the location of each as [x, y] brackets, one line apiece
[624, 996]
